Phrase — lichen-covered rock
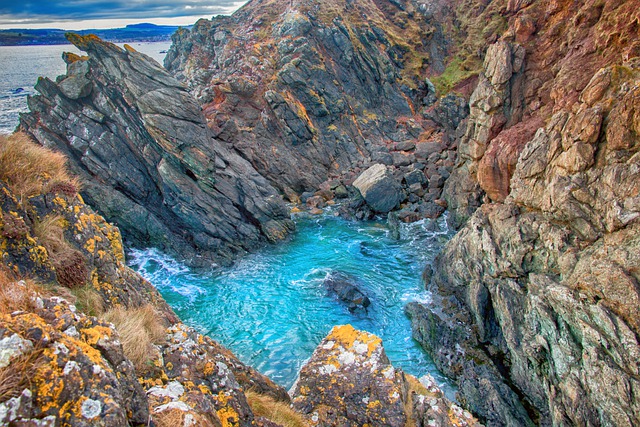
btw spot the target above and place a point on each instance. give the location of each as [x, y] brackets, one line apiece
[74, 228]
[539, 294]
[349, 382]
[379, 188]
[140, 143]
[198, 379]
[78, 374]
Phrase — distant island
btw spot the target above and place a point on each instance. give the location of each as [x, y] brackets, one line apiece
[131, 33]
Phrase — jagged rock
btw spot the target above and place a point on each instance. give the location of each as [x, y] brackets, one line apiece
[201, 380]
[76, 367]
[349, 382]
[140, 143]
[539, 294]
[379, 188]
[347, 291]
[495, 104]
[303, 120]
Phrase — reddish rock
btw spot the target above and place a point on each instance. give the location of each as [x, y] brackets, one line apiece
[499, 161]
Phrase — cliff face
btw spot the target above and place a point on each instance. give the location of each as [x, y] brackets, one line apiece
[545, 58]
[148, 162]
[536, 303]
[306, 89]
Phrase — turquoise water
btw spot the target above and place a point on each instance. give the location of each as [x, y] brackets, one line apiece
[271, 308]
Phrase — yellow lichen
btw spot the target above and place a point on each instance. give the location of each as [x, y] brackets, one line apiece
[346, 335]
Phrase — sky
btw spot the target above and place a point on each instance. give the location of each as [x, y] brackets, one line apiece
[88, 14]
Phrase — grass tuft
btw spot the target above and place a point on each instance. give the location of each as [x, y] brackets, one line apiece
[29, 169]
[15, 294]
[139, 329]
[169, 418]
[271, 409]
[86, 299]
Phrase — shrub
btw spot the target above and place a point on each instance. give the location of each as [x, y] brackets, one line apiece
[139, 329]
[29, 169]
[271, 409]
[69, 263]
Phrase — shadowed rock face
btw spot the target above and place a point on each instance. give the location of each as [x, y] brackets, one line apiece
[139, 142]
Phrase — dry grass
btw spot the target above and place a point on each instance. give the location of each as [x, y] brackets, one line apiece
[278, 412]
[16, 294]
[169, 418]
[86, 299]
[139, 329]
[17, 376]
[29, 169]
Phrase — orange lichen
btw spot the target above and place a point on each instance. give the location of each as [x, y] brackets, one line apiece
[346, 336]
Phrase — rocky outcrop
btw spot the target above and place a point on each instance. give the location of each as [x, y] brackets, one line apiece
[349, 382]
[495, 104]
[345, 288]
[78, 374]
[308, 89]
[539, 294]
[317, 92]
[148, 161]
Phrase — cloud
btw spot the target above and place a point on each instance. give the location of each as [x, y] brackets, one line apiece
[43, 11]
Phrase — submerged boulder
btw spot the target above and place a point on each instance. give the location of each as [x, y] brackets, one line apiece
[380, 189]
[347, 291]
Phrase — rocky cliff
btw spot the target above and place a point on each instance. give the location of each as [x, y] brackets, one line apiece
[140, 144]
[535, 311]
[312, 93]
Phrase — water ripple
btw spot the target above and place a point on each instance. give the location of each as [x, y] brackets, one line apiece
[272, 309]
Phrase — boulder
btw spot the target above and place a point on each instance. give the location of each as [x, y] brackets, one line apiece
[347, 291]
[349, 381]
[380, 189]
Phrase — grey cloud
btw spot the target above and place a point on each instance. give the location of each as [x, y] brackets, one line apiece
[33, 11]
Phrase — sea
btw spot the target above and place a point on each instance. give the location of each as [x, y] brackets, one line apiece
[271, 308]
[21, 66]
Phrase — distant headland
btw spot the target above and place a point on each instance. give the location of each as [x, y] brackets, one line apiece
[131, 33]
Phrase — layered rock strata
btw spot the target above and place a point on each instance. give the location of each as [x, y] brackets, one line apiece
[147, 159]
[313, 93]
[537, 297]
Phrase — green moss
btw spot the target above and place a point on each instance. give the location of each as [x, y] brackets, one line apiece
[457, 70]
